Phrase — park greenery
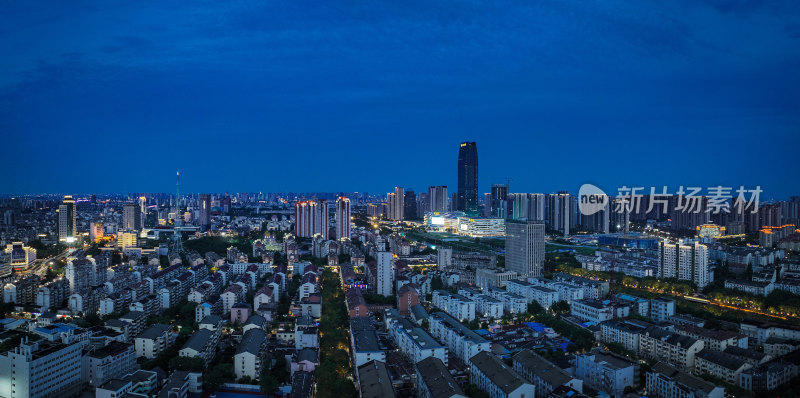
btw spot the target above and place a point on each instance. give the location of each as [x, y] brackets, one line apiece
[218, 244]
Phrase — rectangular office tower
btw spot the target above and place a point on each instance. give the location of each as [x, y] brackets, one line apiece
[498, 197]
[525, 247]
[205, 211]
[67, 219]
[131, 217]
[467, 195]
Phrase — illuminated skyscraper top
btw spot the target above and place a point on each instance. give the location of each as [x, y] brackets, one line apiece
[467, 194]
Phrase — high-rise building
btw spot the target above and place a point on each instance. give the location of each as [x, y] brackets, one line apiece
[683, 260]
[204, 219]
[67, 220]
[559, 211]
[131, 217]
[311, 218]
[499, 196]
[690, 212]
[396, 201]
[529, 206]
[423, 204]
[409, 205]
[444, 258]
[143, 210]
[96, 231]
[468, 178]
[342, 217]
[385, 277]
[437, 195]
[600, 221]
[525, 247]
[487, 204]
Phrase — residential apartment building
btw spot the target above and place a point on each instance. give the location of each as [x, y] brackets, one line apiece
[413, 341]
[435, 381]
[41, 369]
[152, 341]
[672, 348]
[664, 381]
[607, 372]
[543, 374]
[250, 354]
[456, 305]
[459, 339]
[496, 378]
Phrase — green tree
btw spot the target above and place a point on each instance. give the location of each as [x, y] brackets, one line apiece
[535, 308]
[193, 364]
[474, 391]
[436, 283]
[560, 307]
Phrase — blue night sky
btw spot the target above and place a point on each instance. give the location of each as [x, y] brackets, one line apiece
[106, 96]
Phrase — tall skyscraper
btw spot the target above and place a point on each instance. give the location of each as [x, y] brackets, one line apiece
[683, 260]
[559, 211]
[67, 220]
[487, 204]
[525, 247]
[468, 177]
[499, 196]
[396, 201]
[205, 211]
[323, 226]
[438, 198]
[131, 217]
[410, 205]
[598, 222]
[143, 210]
[529, 206]
[311, 218]
[342, 217]
[385, 277]
[423, 204]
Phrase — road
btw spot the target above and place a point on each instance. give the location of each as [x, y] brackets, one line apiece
[40, 266]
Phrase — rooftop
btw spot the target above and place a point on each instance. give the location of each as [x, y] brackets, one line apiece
[542, 368]
[435, 375]
[498, 372]
[691, 382]
[252, 341]
[374, 380]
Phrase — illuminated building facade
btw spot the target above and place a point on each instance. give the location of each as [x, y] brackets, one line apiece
[131, 217]
[204, 219]
[311, 218]
[467, 195]
[67, 220]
